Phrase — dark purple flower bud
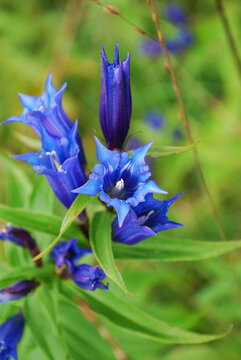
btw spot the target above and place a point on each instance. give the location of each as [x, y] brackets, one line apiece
[144, 220]
[11, 332]
[17, 290]
[22, 238]
[175, 13]
[68, 252]
[89, 277]
[115, 99]
[155, 119]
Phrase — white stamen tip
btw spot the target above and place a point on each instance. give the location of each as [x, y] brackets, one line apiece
[120, 185]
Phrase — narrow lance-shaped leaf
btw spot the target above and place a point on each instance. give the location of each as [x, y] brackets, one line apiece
[134, 320]
[101, 244]
[36, 221]
[164, 249]
[76, 208]
[40, 314]
[9, 276]
[161, 151]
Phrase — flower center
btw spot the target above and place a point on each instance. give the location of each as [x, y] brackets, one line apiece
[118, 190]
[54, 160]
[3, 346]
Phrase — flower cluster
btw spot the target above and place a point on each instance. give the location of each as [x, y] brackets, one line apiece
[122, 182]
[121, 179]
[61, 158]
[86, 276]
[183, 38]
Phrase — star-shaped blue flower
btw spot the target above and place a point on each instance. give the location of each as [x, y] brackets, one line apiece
[120, 180]
[146, 219]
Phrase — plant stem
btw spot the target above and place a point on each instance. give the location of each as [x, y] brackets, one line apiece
[104, 332]
[182, 112]
[227, 29]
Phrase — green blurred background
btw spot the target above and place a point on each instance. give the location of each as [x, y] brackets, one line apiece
[65, 37]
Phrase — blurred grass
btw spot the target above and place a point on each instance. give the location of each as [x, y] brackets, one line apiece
[65, 38]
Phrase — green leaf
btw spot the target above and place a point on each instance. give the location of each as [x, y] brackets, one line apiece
[18, 184]
[164, 249]
[41, 316]
[134, 320]
[101, 244]
[9, 276]
[35, 144]
[161, 151]
[80, 332]
[35, 221]
[76, 208]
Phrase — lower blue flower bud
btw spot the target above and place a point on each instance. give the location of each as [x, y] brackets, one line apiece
[11, 332]
[68, 252]
[89, 277]
[17, 290]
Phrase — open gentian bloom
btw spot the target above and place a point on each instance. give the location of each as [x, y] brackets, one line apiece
[11, 332]
[115, 99]
[47, 111]
[61, 158]
[175, 13]
[146, 219]
[89, 277]
[120, 180]
[17, 290]
[68, 252]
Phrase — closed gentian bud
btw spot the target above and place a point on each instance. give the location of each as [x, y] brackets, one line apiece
[89, 277]
[115, 99]
[22, 238]
[68, 252]
[17, 290]
[11, 332]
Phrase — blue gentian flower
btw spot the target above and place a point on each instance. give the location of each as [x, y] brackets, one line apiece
[11, 332]
[146, 219]
[61, 158]
[47, 111]
[155, 119]
[89, 277]
[182, 40]
[175, 13]
[120, 180]
[115, 99]
[17, 290]
[68, 252]
[22, 238]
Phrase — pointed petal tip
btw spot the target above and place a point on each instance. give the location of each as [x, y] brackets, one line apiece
[116, 56]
